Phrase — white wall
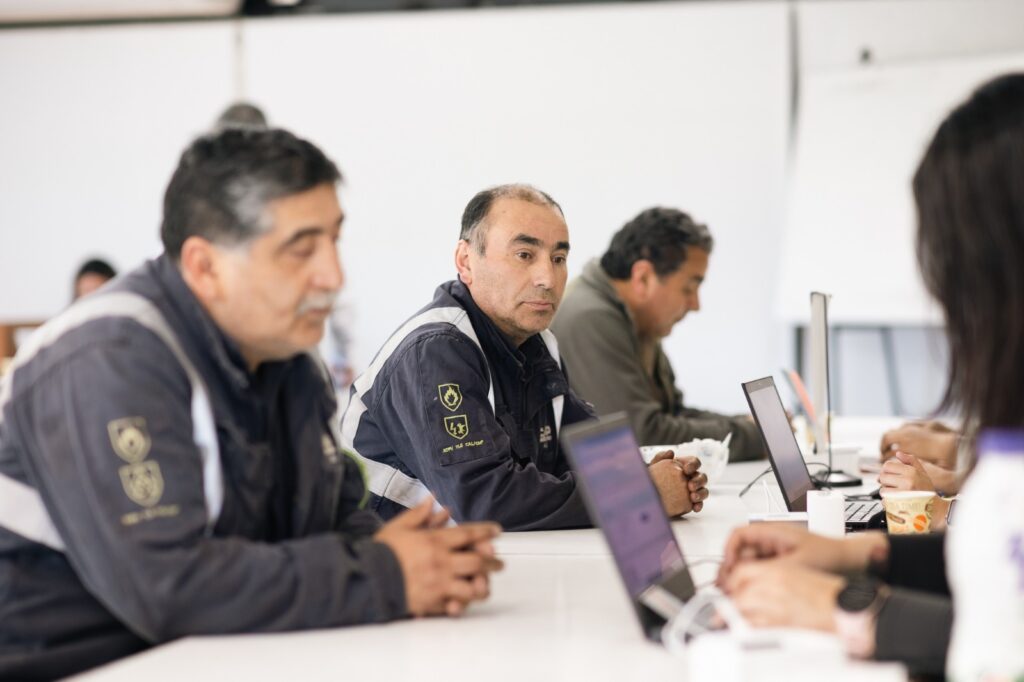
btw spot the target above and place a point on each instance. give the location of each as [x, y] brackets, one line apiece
[92, 121]
[875, 79]
[611, 108]
[861, 130]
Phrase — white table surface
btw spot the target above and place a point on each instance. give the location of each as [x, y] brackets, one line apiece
[558, 611]
[549, 618]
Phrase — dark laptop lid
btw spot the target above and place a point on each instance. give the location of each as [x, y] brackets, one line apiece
[622, 499]
[783, 451]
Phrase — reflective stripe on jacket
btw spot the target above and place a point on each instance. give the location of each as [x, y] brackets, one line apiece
[175, 493]
[449, 408]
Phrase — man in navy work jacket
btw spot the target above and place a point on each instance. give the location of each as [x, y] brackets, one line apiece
[465, 400]
[168, 465]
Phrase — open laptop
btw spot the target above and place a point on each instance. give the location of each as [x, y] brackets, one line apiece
[623, 501]
[787, 461]
[821, 391]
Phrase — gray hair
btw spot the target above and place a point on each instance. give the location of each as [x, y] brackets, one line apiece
[225, 180]
[474, 217]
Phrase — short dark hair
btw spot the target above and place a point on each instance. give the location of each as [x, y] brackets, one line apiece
[474, 227]
[96, 266]
[969, 190]
[659, 235]
[225, 180]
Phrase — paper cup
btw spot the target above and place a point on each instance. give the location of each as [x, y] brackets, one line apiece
[908, 511]
[649, 451]
[826, 513]
[713, 454]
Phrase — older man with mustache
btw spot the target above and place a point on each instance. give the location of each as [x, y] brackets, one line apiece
[465, 400]
[169, 463]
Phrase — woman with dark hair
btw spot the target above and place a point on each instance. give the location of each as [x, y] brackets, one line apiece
[887, 597]
[969, 191]
[970, 200]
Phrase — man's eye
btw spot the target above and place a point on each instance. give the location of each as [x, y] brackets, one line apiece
[302, 250]
[524, 255]
[559, 260]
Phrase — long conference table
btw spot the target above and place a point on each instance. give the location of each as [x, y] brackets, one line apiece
[557, 611]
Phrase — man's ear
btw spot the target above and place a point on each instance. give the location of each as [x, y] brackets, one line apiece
[642, 278]
[462, 264]
[200, 268]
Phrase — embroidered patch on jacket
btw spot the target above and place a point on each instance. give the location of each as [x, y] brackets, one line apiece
[143, 483]
[457, 426]
[129, 438]
[451, 396]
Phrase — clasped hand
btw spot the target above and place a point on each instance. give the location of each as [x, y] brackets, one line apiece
[680, 483]
[444, 568]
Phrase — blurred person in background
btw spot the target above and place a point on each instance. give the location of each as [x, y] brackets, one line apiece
[241, 115]
[888, 596]
[924, 455]
[614, 317]
[91, 275]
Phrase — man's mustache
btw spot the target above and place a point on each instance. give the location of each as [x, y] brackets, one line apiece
[542, 295]
[321, 300]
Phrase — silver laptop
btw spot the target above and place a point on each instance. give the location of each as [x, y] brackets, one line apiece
[787, 461]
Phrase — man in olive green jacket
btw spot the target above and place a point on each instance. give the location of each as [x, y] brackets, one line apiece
[613, 317]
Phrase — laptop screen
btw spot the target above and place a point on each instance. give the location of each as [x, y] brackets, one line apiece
[625, 502]
[787, 461]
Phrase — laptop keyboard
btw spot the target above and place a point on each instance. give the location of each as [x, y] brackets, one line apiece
[860, 512]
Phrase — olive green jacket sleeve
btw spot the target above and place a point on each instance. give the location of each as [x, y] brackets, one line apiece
[600, 349]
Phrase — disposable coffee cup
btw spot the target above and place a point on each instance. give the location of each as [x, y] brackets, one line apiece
[713, 454]
[908, 512]
[826, 513]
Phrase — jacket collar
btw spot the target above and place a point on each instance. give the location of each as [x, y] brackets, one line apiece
[496, 344]
[199, 327]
